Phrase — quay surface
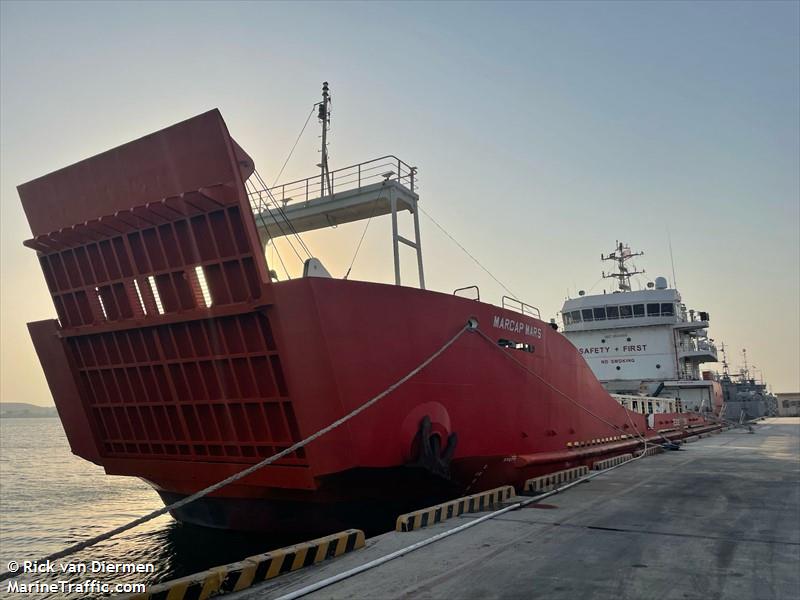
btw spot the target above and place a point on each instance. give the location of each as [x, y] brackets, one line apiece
[719, 519]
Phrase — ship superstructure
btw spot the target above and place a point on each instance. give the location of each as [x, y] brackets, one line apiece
[744, 396]
[643, 342]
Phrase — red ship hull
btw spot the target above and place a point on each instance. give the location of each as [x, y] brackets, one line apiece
[151, 382]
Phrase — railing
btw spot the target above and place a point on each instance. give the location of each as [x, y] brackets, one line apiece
[708, 347]
[469, 287]
[660, 405]
[684, 375]
[521, 307]
[354, 177]
[698, 346]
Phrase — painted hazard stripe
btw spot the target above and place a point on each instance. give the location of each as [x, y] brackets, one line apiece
[448, 510]
[254, 569]
[545, 483]
[652, 450]
[611, 462]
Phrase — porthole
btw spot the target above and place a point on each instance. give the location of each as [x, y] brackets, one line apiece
[658, 366]
[629, 339]
[618, 368]
[602, 341]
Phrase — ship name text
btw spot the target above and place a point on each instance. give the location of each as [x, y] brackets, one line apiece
[516, 326]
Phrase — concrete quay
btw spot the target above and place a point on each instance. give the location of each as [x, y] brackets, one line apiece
[719, 519]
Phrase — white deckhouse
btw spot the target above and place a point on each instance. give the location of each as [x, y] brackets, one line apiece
[643, 343]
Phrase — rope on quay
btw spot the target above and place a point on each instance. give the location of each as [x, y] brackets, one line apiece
[299, 593]
[565, 395]
[639, 434]
[719, 419]
[471, 325]
[304, 591]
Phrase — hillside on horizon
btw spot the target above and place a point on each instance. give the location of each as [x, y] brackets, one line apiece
[21, 410]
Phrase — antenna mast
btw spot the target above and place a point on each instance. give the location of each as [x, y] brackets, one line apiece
[621, 255]
[724, 361]
[672, 260]
[324, 116]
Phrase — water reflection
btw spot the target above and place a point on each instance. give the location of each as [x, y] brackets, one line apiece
[50, 499]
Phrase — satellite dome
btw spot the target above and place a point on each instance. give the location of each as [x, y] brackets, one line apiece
[661, 283]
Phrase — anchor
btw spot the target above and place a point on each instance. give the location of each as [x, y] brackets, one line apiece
[431, 457]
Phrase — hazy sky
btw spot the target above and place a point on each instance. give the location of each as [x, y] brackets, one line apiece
[543, 133]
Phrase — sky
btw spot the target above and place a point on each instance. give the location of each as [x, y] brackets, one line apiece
[543, 133]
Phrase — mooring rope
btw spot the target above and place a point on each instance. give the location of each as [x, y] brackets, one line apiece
[328, 581]
[470, 325]
[554, 388]
[639, 434]
[313, 587]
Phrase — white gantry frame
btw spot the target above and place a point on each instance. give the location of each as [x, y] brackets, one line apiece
[291, 208]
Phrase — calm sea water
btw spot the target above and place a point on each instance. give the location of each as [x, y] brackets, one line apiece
[50, 499]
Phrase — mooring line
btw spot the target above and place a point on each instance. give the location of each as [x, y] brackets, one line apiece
[470, 325]
[304, 591]
[421, 544]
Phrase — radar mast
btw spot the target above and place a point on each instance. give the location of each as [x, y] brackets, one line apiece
[324, 116]
[725, 372]
[622, 254]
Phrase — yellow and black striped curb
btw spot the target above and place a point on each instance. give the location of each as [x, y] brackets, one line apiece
[653, 450]
[441, 512]
[596, 441]
[545, 483]
[600, 465]
[254, 569]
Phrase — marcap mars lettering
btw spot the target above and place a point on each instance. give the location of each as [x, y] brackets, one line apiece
[516, 326]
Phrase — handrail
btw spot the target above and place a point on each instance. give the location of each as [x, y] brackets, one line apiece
[522, 307]
[469, 287]
[361, 164]
[384, 168]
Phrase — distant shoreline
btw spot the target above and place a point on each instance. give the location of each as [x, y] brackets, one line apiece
[26, 416]
[23, 410]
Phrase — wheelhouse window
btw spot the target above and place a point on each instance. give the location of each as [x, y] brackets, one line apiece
[576, 316]
[600, 314]
[667, 309]
[567, 319]
[625, 312]
[653, 310]
[612, 312]
[638, 310]
[587, 314]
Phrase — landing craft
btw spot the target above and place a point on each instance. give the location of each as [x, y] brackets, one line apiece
[179, 358]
